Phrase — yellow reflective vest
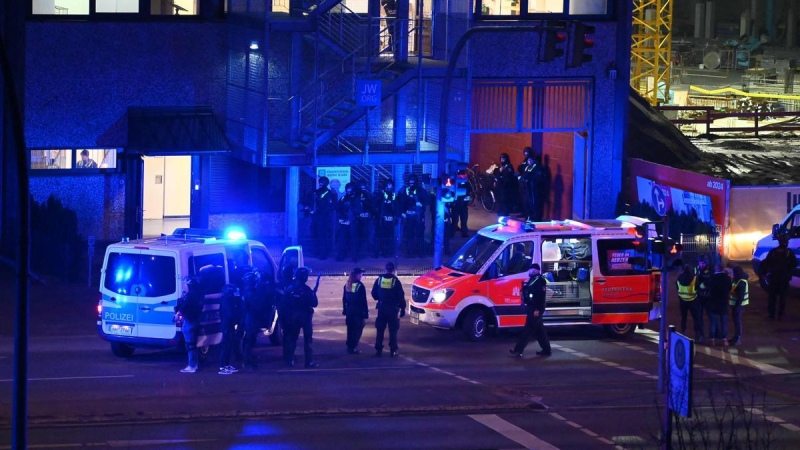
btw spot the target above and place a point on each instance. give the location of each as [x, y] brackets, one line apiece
[687, 293]
[745, 296]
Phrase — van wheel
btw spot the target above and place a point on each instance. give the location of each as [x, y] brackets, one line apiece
[121, 350]
[475, 325]
[620, 330]
[276, 338]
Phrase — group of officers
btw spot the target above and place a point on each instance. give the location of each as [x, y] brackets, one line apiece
[525, 190]
[346, 225]
[250, 303]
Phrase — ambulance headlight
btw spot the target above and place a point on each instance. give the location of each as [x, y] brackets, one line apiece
[441, 295]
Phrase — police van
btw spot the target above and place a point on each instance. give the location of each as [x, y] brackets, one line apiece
[790, 227]
[142, 280]
[596, 275]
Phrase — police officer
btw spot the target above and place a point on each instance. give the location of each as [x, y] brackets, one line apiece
[259, 293]
[740, 297]
[534, 296]
[507, 185]
[388, 291]
[777, 270]
[460, 207]
[534, 178]
[354, 308]
[522, 195]
[364, 211]
[298, 307]
[190, 308]
[322, 214]
[386, 207]
[687, 293]
[345, 222]
[412, 200]
[230, 314]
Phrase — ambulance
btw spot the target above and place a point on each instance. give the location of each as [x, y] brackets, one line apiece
[141, 282]
[790, 227]
[596, 276]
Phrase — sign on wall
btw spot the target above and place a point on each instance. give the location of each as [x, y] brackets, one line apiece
[338, 176]
[368, 92]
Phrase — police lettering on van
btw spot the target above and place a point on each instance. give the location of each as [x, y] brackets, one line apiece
[141, 283]
[593, 271]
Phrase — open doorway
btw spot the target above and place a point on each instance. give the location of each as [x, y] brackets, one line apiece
[166, 194]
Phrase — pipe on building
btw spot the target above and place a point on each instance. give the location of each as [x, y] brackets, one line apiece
[710, 20]
[790, 18]
[699, 18]
[769, 17]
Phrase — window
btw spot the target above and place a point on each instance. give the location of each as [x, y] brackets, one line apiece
[566, 258]
[792, 225]
[117, 6]
[474, 254]
[82, 7]
[140, 275]
[61, 7]
[516, 258]
[173, 7]
[74, 158]
[263, 263]
[530, 9]
[618, 257]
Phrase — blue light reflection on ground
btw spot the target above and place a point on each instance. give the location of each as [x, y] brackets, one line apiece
[260, 435]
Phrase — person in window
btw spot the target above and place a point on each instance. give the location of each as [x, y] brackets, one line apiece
[390, 11]
[86, 162]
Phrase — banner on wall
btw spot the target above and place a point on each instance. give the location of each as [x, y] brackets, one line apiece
[663, 198]
[338, 176]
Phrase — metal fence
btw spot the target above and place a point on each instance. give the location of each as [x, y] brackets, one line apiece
[697, 245]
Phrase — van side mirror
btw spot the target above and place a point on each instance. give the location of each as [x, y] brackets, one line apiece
[776, 229]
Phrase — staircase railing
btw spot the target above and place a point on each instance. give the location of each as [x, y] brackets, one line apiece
[344, 27]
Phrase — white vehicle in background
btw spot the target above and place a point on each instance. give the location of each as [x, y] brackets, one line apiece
[790, 226]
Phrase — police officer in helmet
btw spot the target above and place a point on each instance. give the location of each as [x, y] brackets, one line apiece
[298, 309]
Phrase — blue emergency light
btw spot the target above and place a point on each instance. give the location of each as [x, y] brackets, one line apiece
[235, 234]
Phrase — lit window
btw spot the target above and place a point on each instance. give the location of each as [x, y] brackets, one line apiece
[103, 158]
[546, 6]
[61, 7]
[173, 7]
[588, 7]
[117, 6]
[74, 158]
[51, 159]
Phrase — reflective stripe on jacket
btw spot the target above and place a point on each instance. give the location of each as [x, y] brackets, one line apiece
[735, 291]
[687, 293]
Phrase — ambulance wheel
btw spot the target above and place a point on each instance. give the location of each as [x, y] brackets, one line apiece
[276, 338]
[121, 350]
[475, 325]
[620, 330]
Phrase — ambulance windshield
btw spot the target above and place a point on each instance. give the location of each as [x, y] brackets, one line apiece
[474, 254]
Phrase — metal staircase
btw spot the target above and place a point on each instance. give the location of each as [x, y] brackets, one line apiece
[326, 107]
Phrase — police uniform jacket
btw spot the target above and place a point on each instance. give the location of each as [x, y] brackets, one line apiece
[388, 291]
[300, 301]
[354, 300]
[191, 305]
[719, 289]
[534, 293]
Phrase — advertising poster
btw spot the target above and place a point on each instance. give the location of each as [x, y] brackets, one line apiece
[339, 177]
[619, 259]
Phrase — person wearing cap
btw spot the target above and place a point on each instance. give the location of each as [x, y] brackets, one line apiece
[388, 291]
[354, 308]
[387, 208]
[322, 213]
[777, 270]
[534, 297]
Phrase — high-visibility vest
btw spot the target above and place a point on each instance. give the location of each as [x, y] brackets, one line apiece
[687, 293]
[746, 299]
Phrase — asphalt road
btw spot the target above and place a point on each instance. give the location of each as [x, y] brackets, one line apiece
[441, 392]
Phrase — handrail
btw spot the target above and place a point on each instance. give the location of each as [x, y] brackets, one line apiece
[710, 115]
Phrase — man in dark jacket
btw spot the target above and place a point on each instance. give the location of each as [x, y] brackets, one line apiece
[719, 288]
[323, 205]
[230, 316]
[354, 308]
[777, 270]
[190, 309]
[388, 291]
[387, 208]
[298, 307]
[507, 186]
[534, 297]
[687, 294]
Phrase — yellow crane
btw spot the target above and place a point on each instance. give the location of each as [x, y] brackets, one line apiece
[651, 47]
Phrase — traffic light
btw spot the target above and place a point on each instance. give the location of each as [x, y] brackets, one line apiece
[553, 41]
[642, 243]
[448, 189]
[581, 41]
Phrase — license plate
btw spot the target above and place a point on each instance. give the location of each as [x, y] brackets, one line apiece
[124, 330]
[414, 316]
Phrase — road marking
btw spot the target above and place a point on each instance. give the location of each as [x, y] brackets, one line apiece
[725, 356]
[776, 420]
[343, 369]
[583, 429]
[7, 380]
[146, 442]
[511, 431]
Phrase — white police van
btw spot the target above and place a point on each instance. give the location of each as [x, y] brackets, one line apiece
[790, 225]
[142, 280]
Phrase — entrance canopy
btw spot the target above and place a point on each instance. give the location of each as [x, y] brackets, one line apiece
[174, 131]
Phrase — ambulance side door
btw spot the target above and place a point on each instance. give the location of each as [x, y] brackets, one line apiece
[504, 277]
[620, 288]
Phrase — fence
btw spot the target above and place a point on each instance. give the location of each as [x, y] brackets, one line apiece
[697, 245]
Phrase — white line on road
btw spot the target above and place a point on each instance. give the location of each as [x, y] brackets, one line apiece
[512, 431]
[98, 377]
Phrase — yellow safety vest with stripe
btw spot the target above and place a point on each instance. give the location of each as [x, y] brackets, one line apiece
[687, 293]
[746, 297]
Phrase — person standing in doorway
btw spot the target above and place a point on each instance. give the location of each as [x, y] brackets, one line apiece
[355, 309]
[534, 297]
[388, 291]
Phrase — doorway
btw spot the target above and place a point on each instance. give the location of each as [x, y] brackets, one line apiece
[166, 194]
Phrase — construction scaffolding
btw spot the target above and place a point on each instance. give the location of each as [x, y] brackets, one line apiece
[651, 49]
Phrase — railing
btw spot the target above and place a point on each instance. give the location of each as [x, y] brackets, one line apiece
[344, 27]
[707, 116]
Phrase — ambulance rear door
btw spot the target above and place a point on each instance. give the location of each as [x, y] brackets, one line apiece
[621, 284]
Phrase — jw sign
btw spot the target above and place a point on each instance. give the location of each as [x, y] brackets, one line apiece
[368, 93]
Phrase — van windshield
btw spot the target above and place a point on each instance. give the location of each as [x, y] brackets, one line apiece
[474, 254]
[140, 275]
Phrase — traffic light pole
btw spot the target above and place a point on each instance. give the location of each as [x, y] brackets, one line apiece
[662, 332]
